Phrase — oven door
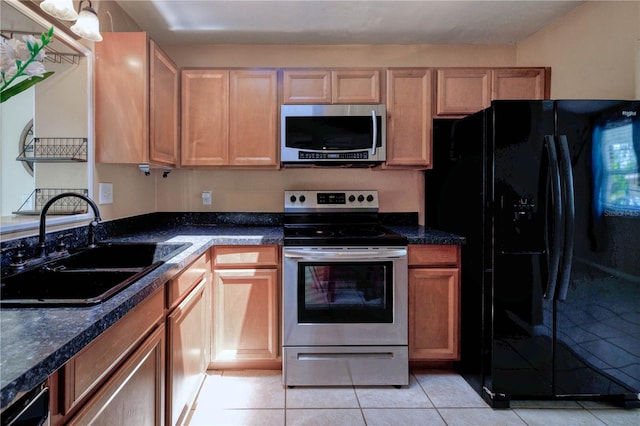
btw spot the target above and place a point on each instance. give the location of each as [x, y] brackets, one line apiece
[336, 296]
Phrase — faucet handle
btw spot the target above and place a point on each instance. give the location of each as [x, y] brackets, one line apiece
[61, 245]
[19, 258]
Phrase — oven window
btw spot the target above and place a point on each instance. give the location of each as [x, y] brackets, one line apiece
[344, 292]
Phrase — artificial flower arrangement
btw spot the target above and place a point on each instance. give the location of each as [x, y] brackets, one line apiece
[22, 58]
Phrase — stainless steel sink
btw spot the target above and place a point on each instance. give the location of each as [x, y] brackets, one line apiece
[87, 276]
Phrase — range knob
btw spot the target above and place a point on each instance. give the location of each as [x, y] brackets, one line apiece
[292, 198]
[369, 198]
[361, 198]
[302, 198]
[352, 198]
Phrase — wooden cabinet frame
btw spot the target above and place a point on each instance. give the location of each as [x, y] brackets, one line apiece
[434, 302]
[331, 86]
[246, 315]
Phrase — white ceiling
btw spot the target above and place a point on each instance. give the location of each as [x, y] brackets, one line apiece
[343, 21]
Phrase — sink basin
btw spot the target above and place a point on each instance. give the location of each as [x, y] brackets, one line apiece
[122, 255]
[87, 276]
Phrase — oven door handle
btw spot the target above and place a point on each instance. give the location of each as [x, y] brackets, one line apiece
[346, 254]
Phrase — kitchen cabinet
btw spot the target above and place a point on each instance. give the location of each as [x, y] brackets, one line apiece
[434, 302]
[119, 370]
[246, 317]
[409, 117]
[229, 118]
[136, 104]
[187, 337]
[325, 86]
[520, 83]
[463, 91]
[134, 394]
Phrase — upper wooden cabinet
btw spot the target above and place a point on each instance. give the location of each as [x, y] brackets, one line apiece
[323, 86]
[463, 91]
[409, 100]
[136, 105]
[520, 83]
[229, 117]
[164, 96]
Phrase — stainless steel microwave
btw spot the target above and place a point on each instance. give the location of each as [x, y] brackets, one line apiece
[333, 134]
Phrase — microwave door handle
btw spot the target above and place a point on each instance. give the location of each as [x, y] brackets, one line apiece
[375, 132]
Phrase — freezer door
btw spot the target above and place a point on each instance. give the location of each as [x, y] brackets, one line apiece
[519, 205]
[598, 308]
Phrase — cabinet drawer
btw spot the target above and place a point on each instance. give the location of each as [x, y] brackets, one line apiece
[245, 256]
[97, 360]
[433, 255]
[180, 286]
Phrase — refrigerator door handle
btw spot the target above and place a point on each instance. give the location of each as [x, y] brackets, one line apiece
[556, 204]
[566, 172]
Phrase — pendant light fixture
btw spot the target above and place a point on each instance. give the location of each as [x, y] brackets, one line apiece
[87, 24]
[61, 9]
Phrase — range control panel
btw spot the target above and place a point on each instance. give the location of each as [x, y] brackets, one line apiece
[366, 199]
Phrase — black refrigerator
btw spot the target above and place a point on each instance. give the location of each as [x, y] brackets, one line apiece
[547, 194]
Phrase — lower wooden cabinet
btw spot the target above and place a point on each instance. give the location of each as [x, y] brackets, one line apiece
[434, 303]
[134, 395]
[245, 307]
[187, 337]
[85, 376]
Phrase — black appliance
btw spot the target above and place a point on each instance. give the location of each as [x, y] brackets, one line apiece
[547, 194]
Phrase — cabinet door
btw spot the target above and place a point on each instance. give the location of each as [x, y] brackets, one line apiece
[409, 117]
[253, 107]
[134, 395]
[122, 98]
[519, 83]
[355, 86]
[245, 315]
[205, 118]
[434, 324]
[163, 113]
[306, 86]
[186, 363]
[462, 91]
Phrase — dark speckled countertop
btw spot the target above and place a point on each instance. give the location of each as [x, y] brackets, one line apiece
[37, 341]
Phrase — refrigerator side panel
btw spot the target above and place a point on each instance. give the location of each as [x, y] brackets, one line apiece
[454, 203]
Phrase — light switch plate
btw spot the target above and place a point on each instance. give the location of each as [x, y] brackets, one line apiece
[105, 193]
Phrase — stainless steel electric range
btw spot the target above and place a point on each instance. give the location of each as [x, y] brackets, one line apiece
[344, 292]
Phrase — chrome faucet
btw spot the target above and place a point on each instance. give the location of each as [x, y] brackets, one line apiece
[42, 246]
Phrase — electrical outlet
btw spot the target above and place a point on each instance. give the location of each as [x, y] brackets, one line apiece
[105, 193]
[206, 198]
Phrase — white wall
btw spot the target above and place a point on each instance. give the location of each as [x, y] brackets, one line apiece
[593, 51]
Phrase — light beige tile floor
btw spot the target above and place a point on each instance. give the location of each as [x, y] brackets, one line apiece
[433, 397]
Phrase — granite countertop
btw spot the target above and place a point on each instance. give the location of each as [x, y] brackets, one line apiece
[37, 341]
